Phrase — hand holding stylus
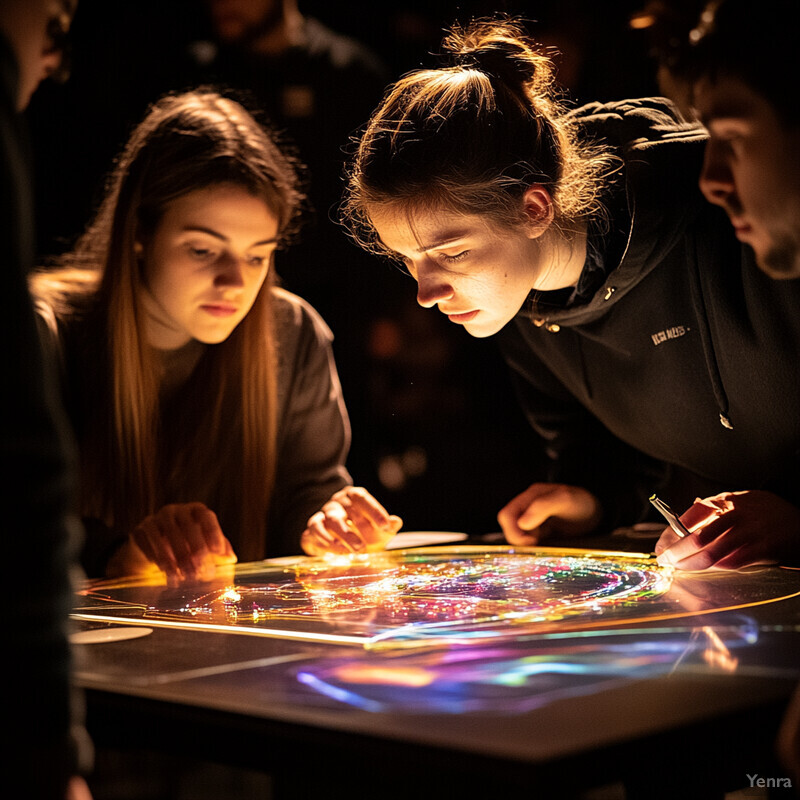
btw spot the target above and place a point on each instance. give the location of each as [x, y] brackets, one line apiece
[732, 530]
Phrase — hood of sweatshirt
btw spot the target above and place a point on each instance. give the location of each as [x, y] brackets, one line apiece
[652, 200]
[655, 188]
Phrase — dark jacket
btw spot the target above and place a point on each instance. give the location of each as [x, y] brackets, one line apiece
[677, 370]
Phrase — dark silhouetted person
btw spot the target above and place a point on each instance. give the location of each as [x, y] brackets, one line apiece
[46, 744]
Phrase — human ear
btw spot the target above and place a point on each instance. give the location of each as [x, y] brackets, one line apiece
[538, 209]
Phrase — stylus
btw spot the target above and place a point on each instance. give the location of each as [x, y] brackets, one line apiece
[669, 515]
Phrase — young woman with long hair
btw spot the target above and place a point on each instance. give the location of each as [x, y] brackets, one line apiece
[205, 399]
[632, 318]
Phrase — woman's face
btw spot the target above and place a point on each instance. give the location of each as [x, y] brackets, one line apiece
[476, 273]
[205, 264]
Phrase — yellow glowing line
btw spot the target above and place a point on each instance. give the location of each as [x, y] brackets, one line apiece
[218, 628]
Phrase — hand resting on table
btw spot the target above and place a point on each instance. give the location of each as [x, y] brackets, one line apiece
[352, 521]
[547, 509]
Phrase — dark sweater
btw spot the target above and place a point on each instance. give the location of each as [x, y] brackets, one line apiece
[678, 371]
[313, 431]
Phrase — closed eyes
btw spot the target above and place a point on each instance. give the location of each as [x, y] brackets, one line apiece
[209, 254]
[202, 253]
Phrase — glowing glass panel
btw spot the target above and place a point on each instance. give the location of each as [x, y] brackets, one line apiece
[435, 595]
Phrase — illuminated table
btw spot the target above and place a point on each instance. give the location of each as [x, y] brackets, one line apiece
[479, 669]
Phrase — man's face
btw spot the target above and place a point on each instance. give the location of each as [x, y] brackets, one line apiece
[752, 170]
[36, 30]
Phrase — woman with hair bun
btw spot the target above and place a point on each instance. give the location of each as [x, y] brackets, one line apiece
[634, 321]
[205, 400]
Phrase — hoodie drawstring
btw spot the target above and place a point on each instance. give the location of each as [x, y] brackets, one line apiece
[584, 371]
[712, 367]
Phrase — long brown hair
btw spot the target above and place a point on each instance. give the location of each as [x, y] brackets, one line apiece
[217, 442]
[472, 136]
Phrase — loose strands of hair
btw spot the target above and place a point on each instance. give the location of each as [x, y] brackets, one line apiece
[501, 50]
[472, 136]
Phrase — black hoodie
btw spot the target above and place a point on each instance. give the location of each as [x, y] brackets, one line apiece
[678, 370]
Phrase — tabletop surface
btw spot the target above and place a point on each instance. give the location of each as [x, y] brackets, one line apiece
[698, 658]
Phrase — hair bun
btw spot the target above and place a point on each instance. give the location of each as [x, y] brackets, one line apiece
[500, 48]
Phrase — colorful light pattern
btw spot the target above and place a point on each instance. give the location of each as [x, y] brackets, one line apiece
[408, 590]
[434, 596]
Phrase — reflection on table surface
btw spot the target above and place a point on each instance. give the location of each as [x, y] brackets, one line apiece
[516, 677]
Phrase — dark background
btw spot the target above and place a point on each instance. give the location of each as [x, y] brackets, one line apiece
[437, 435]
